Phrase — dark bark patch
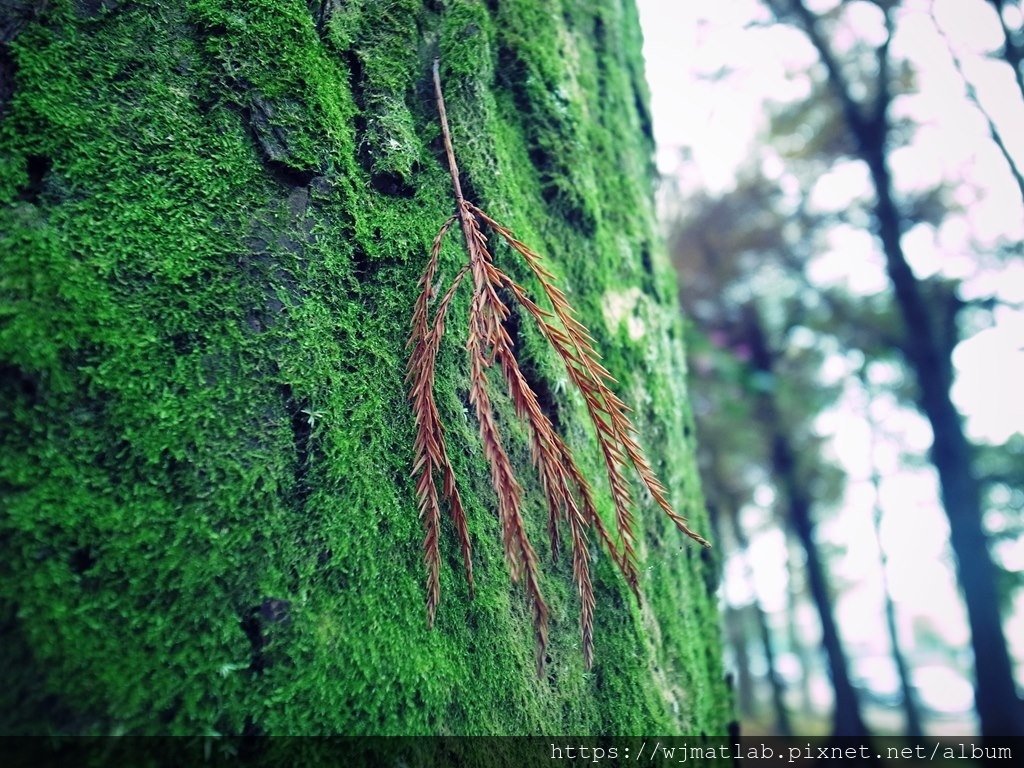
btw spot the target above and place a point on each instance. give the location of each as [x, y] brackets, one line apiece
[709, 570]
[184, 343]
[600, 36]
[362, 265]
[649, 284]
[14, 15]
[552, 675]
[273, 143]
[645, 259]
[644, 114]
[8, 69]
[19, 383]
[91, 9]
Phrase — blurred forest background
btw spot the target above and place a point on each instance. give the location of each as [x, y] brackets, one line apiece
[844, 202]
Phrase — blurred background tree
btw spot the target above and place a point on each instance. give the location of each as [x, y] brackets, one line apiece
[830, 278]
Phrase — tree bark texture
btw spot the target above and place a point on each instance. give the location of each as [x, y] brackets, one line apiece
[214, 218]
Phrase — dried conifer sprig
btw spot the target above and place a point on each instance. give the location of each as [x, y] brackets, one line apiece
[567, 493]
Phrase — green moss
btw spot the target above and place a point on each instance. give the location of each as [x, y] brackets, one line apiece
[214, 217]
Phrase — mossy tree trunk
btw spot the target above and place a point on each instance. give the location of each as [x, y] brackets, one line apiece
[214, 217]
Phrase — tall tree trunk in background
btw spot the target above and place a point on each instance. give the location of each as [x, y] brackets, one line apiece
[847, 720]
[214, 215]
[927, 347]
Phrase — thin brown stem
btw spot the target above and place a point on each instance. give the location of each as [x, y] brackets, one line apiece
[453, 169]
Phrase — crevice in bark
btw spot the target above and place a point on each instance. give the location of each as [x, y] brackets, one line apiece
[644, 114]
[302, 431]
[388, 183]
[543, 144]
[8, 70]
[540, 386]
[321, 11]
[19, 384]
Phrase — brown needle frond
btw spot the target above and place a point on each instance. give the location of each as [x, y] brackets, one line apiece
[431, 453]
[567, 493]
[613, 458]
[553, 461]
[486, 334]
[580, 354]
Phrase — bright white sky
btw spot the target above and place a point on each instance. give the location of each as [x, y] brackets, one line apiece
[707, 129]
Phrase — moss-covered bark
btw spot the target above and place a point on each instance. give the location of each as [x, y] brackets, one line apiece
[214, 217]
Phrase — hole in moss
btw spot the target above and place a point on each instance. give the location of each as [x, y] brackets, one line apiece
[710, 571]
[469, 190]
[36, 167]
[391, 184]
[645, 259]
[645, 116]
[286, 175]
[600, 35]
[552, 674]
[183, 343]
[81, 560]
[255, 625]
[302, 418]
[167, 715]
[19, 383]
[363, 266]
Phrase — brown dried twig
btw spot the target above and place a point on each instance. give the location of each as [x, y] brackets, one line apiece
[568, 495]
